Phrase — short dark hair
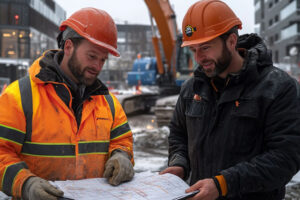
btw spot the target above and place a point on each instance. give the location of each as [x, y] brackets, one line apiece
[234, 30]
[225, 36]
[76, 41]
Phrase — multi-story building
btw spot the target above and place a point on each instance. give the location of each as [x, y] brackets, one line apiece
[133, 39]
[27, 28]
[278, 22]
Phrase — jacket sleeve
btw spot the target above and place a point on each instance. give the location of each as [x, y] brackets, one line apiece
[280, 159]
[13, 171]
[178, 139]
[121, 134]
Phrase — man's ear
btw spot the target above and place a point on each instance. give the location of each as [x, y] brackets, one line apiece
[68, 48]
[232, 41]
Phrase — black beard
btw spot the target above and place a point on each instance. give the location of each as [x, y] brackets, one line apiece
[223, 63]
[74, 67]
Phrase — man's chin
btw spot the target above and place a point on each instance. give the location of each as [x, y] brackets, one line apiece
[210, 74]
[89, 81]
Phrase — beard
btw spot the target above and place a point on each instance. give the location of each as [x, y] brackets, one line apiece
[78, 71]
[221, 64]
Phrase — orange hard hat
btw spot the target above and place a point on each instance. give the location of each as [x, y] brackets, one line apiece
[95, 25]
[206, 20]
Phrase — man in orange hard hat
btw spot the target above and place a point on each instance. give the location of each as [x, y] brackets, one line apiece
[61, 122]
[236, 127]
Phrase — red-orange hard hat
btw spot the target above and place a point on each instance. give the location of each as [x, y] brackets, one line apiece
[95, 25]
[206, 20]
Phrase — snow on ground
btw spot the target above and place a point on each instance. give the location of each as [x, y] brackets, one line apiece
[150, 143]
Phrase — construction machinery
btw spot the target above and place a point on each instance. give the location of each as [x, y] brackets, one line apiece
[171, 66]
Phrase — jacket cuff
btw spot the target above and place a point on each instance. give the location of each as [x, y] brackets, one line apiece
[177, 160]
[23, 176]
[222, 184]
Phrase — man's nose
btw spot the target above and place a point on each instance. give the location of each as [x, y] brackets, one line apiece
[98, 65]
[199, 56]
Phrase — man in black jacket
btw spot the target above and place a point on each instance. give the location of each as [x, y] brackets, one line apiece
[236, 126]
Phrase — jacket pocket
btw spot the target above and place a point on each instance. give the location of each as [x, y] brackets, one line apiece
[246, 108]
[103, 124]
[195, 109]
[245, 126]
[194, 113]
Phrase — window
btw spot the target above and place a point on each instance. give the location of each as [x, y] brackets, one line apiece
[270, 5]
[49, 10]
[270, 22]
[289, 31]
[288, 10]
[257, 5]
[14, 43]
[257, 28]
[3, 13]
[276, 19]
[18, 15]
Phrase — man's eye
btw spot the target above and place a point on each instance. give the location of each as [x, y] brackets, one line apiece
[205, 48]
[92, 56]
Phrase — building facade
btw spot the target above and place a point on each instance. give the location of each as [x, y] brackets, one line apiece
[27, 28]
[278, 22]
[133, 39]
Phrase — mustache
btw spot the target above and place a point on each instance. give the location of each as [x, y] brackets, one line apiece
[90, 69]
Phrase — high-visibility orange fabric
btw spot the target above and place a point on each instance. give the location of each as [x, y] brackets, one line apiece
[54, 131]
[223, 184]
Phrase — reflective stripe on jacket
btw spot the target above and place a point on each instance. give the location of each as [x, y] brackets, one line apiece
[55, 148]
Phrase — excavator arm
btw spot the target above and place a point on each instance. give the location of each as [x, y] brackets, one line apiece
[165, 19]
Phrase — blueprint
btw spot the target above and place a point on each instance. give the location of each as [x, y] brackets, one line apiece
[145, 185]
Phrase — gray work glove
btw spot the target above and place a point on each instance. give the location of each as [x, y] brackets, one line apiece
[118, 168]
[36, 188]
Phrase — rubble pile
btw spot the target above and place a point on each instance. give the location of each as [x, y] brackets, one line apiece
[154, 138]
[292, 191]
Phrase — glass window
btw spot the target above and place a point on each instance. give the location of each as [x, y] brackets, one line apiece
[257, 28]
[288, 10]
[270, 5]
[39, 42]
[14, 43]
[270, 22]
[17, 15]
[257, 6]
[3, 13]
[289, 31]
[276, 18]
[54, 13]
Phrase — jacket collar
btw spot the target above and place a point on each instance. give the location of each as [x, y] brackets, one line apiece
[47, 70]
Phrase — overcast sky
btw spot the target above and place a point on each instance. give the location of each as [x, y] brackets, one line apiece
[135, 11]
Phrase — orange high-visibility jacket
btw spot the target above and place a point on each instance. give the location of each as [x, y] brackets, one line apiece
[50, 144]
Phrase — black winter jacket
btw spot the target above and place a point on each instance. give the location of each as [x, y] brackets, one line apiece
[250, 134]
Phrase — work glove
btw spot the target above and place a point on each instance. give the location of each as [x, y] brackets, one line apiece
[36, 188]
[118, 168]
